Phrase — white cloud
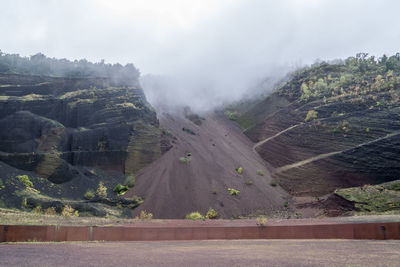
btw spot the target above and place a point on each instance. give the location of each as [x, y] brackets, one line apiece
[211, 49]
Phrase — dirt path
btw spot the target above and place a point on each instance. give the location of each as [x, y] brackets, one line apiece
[173, 189]
[326, 155]
[274, 136]
[205, 253]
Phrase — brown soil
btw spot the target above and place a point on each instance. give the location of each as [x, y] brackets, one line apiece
[172, 189]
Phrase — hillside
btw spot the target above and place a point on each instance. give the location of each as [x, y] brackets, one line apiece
[68, 134]
[214, 148]
[333, 125]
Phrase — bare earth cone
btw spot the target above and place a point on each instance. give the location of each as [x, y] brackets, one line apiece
[173, 188]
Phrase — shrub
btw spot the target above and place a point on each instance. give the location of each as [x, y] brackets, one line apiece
[273, 183]
[50, 211]
[311, 115]
[120, 189]
[24, 203]
[286, 204]
[130, 181]
[89, 194]
[194, 216]
[232, 115]
[25, 180]
[260, 172]
[233, 192]
[144, 215]
[184, 160]
[239, 170]
[1, 184]
[249, 182]
[101, 190]
[69, 211]
[211, 214]
[37, 210]
[261, 220]
[188, 154]
[189, 131]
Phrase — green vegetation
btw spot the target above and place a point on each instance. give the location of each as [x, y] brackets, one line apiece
[213, 191]
[120, 189]
[354, 76]
[311, 115]
[239, 170]
[194, 216]
[1, 184]
[25, 180]
[39, 64]
[261, 220]
[373, 198]
[211, 214]
[273, 183]
[249, 182]
[50, 211]
[68, 211]
[37, 210]
[101, 190]
[286, 204]
[233, 192]
[231, 115]
[185, 160]
[260, 172]
[89, 194]
[144, 215]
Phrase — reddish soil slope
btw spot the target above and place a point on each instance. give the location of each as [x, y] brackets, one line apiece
[172, 188]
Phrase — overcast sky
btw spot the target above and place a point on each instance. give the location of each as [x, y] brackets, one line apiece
[212, 49]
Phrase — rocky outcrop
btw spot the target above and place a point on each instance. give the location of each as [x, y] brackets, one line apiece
[330, 126]
[58, 128]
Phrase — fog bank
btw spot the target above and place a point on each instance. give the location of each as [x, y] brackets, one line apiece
[201, 53]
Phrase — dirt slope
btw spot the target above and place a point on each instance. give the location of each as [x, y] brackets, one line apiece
[172, 188]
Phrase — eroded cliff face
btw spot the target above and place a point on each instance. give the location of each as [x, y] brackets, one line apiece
[329, 127]
[61, 129]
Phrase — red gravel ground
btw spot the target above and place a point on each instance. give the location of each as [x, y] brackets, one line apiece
[204, 253]
[173, 189]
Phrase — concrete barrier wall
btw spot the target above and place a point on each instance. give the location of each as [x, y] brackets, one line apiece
[19, 233]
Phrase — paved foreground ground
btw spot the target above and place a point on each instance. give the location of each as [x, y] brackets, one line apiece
[205, 253]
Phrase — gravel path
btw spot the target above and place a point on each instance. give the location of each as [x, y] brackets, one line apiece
[204, 253]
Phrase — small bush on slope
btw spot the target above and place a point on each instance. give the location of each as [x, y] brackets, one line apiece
[194, 216]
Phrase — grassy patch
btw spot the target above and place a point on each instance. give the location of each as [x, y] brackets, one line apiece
[232, 115]
[260, 172]
[311, 115]
[249, 182]
[239, 170]
[101, 190]
[185, 160]
[261, 220]
[194, 216]
[211, 214]
[68, 211]
[25, 180]
[89, 194]
[120, 189]
[373, 198]
[233, 192]
[144, 215]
